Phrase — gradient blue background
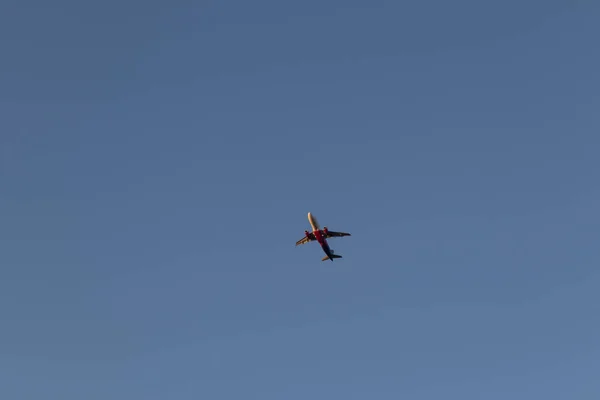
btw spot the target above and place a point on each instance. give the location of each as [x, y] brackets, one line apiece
[158, 161]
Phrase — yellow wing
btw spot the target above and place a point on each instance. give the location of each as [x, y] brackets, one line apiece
[305, 239]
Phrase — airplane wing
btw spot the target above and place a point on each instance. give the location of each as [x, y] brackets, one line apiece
[306, 239]
[336, 234]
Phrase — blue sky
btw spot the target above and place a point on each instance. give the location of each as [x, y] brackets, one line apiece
[158, 161]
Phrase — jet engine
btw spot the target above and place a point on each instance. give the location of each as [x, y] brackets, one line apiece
[325, 230]
[307, 234]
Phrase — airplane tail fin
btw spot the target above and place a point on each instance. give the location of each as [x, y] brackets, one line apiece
[332, 256]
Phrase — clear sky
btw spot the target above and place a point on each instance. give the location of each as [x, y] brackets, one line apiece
[158, 161]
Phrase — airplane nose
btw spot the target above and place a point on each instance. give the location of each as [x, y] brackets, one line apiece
[313, 221]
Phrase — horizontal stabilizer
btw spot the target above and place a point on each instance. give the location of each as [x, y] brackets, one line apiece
[332, 256]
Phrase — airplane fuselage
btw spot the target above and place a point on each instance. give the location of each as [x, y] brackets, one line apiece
[316, 230]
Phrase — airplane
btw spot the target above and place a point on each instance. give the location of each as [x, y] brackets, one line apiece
[321, 236]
